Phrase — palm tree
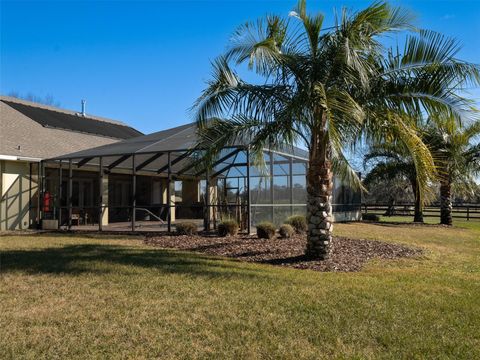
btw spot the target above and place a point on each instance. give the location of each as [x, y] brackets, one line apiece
[457, 157]
[329, 89]
[394, 162]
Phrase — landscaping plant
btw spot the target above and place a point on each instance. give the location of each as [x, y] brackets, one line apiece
[228, 227]
[265, 230]
[286, 231]
[298, 222]
[186, 228]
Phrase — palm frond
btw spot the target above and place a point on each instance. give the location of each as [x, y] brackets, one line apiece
[426, 170]
[312, 25]
[343, 169]
[388, 171]
[228, 95]
[380, 18]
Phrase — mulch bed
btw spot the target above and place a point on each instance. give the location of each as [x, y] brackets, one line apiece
[348, 254]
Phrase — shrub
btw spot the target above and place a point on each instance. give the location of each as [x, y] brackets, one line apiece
[370, 217]
[286, 231]
[298, 222]
[186, 228]
[265, 230]
[228, 227]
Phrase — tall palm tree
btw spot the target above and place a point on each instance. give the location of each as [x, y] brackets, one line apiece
[394, 162]
[329, 88]
[457, 157]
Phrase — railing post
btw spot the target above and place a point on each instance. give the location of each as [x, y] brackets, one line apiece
[206, 212]
[134, 192]
[30, 174]
[249, 196]
[60, 190]
[290, 179]
[272, 195]
[100, 193]
[39, 179]
[41, 189]
[169, 179]
[70, 193]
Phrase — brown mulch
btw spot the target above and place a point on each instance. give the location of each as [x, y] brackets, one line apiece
[347, 255]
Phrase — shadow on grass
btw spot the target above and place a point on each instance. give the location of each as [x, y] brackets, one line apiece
[102, 259]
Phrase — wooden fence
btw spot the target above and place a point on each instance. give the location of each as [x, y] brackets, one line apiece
[459, 211]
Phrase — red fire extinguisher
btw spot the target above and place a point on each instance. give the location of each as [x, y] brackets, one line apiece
[47, 200]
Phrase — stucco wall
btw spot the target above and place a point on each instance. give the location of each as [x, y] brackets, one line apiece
[14, 202]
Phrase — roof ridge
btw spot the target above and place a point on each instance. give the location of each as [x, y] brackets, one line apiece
[5, 98]
[187, 126]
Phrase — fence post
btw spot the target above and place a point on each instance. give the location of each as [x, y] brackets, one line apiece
[468, 213]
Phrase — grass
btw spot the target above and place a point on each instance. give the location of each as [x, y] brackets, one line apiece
[85, 297]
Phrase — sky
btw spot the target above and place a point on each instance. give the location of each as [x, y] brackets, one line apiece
[145, 62]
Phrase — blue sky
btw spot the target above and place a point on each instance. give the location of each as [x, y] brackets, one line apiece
[146, 62]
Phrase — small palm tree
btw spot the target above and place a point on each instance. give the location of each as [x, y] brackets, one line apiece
[394, 162]
[329, 89]
[457, 158]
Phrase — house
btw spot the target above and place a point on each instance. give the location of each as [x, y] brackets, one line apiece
[31, 132]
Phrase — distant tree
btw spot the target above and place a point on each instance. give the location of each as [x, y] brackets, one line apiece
[394, 165]
[457, 158]
[466, 192]
[46, 100]
[393, 190]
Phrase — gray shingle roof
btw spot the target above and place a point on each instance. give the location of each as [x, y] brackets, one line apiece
[78, 122]
[22, 136]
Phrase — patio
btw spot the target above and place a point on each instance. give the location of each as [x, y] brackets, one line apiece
[153, 181]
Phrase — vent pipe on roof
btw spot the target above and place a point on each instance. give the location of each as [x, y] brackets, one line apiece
[84, 102]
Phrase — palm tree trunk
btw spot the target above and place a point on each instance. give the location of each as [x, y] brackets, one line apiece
[418, 214]
[446, 202]
[319, 197]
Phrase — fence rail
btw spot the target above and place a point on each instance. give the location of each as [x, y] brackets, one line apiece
[459, 211]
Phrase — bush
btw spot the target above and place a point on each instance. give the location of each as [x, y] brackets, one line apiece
[286, 231]
[228, 227]
[298, 222]
[265, 230]
[370, 217]
[186, 228]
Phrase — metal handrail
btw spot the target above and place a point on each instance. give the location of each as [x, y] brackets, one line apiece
[151, 214]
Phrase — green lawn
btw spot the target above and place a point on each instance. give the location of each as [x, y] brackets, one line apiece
[471, 224]
[80, 297]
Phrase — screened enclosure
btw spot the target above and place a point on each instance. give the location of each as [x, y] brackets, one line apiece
[154, 181]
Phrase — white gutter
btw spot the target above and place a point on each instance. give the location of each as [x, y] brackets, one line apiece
[19, 158]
